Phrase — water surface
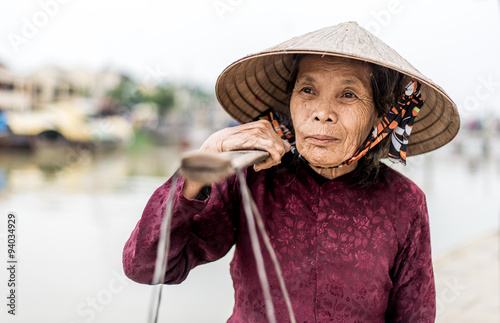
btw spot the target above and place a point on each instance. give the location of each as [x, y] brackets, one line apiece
[76, 210]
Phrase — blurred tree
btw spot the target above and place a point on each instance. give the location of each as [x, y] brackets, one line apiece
[201, 95]
[126, 94]
[164, 98]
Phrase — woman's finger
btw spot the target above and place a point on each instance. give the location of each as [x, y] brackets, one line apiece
[268, 163]
[258, 135]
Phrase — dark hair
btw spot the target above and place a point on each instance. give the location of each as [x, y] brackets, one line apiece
[387, 86]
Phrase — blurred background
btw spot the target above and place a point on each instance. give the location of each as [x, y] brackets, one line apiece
[99, 99]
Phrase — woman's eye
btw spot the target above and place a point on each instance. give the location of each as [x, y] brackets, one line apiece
[349, 95]
[307, 90]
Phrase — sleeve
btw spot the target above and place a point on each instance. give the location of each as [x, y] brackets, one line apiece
[413, 296]
[201, 231]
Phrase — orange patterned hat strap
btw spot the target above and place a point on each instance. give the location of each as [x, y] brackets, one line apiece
[398, 123]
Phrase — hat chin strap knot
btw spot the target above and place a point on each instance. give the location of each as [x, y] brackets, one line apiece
[398, 123]
[295, 151]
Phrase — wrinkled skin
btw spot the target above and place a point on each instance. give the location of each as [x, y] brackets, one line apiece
[332, 111]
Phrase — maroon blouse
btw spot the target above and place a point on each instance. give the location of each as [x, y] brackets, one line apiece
[347, 254]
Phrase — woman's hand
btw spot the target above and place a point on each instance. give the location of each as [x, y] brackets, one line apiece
[258, 135]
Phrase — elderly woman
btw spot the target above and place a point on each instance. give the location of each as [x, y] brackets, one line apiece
[351, 235]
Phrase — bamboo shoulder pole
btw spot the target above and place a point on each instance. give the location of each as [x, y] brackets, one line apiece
[209, 168]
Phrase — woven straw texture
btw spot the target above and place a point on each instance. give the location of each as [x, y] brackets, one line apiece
[258, 82]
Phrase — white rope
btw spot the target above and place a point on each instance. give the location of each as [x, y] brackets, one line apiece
[162, 254]
[277, 268]
[257, 252]
[252, 213]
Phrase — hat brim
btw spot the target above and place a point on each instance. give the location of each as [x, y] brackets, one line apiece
[259, 82]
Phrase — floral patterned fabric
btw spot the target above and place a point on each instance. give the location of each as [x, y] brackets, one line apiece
[347, 254]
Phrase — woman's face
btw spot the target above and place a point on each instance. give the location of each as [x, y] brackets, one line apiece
[332, 109]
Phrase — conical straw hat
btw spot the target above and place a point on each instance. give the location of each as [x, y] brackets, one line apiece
[258, 82]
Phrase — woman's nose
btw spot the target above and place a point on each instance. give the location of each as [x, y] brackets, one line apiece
[325, 111]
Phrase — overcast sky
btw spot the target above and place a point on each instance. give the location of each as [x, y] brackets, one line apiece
[454, 42]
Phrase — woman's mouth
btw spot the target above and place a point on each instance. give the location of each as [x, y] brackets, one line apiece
[321, 139]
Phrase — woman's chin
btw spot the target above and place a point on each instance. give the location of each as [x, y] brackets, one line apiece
[322, 156]
[323, 161]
